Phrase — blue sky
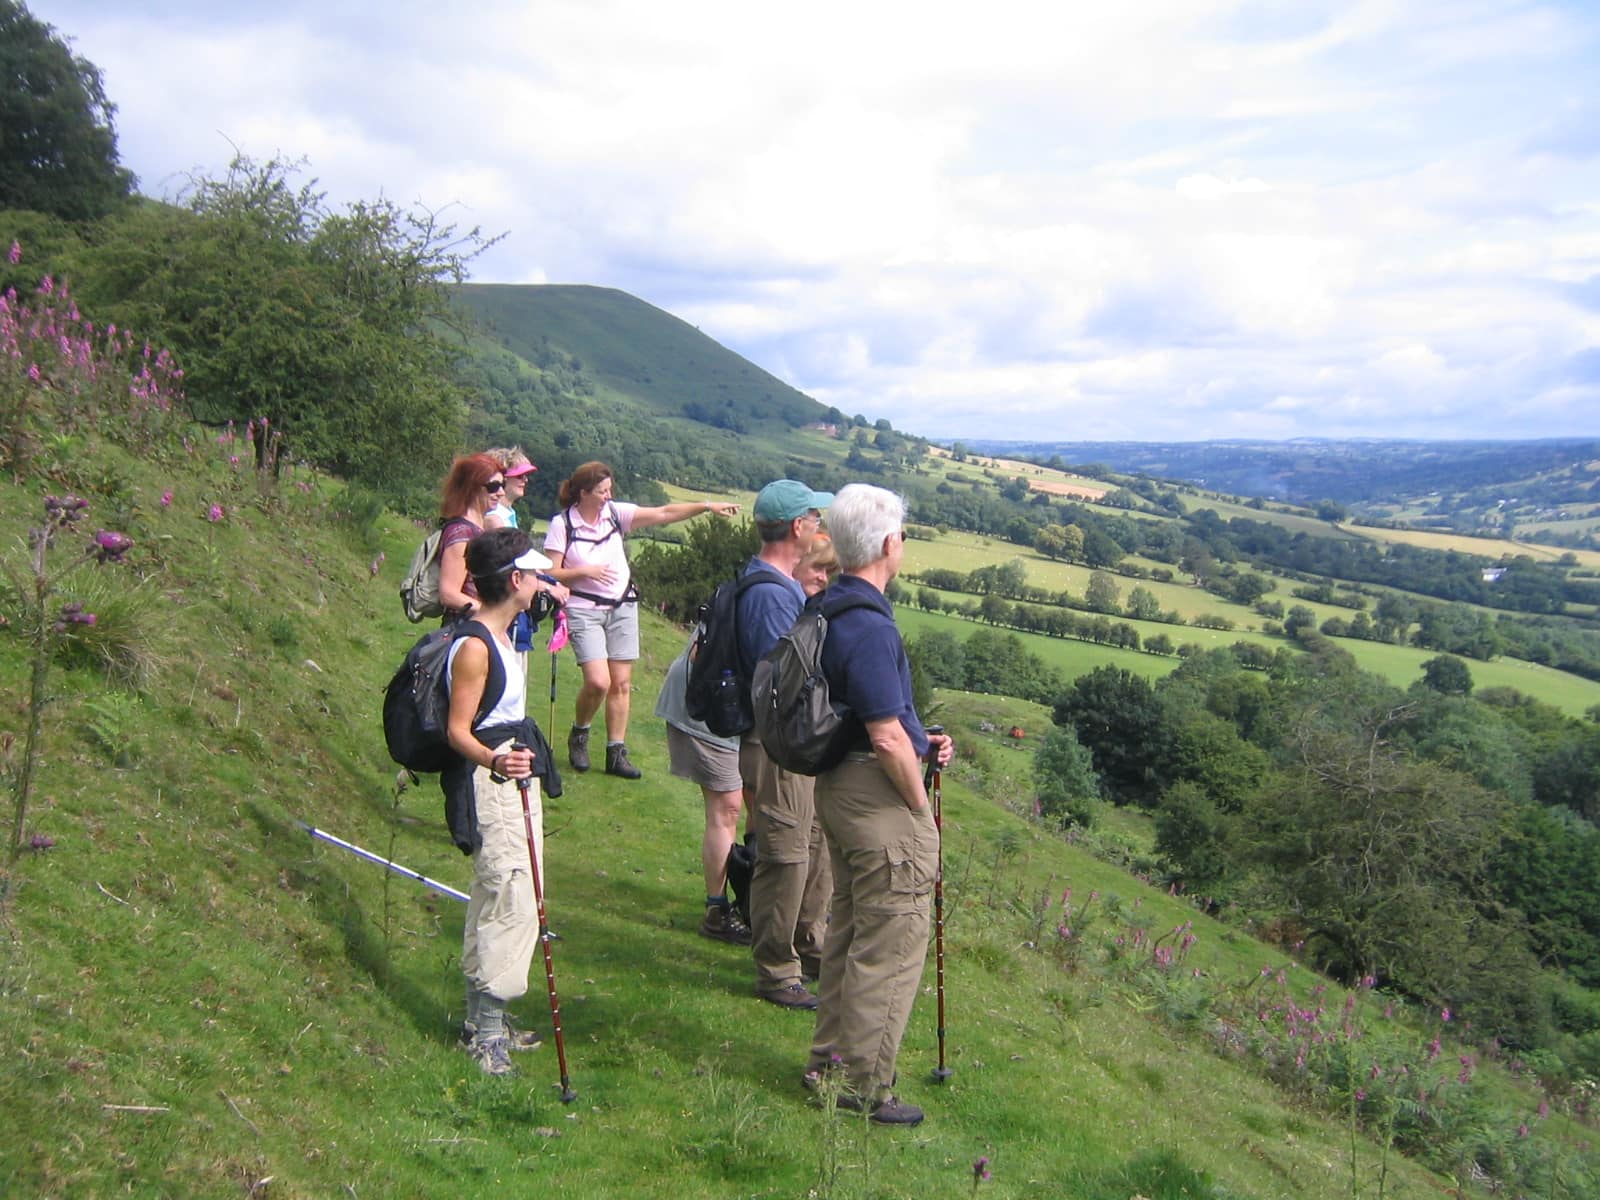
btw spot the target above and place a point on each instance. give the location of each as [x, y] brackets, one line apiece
[1165, 220]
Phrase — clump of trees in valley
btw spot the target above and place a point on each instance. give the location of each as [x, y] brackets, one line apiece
[1441, 841]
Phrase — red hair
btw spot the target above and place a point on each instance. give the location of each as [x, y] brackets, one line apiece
[465, 483]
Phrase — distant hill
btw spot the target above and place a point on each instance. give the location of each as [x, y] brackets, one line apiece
[640, 351]
[1546, 491]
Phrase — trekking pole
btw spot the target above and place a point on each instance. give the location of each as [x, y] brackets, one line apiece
[567, 1094]
[323, 835]
[552, 726]
[931, 782]
[558, 640]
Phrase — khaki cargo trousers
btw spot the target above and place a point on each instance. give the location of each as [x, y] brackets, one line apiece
[502, 929]
[884, 859]
[789, 890]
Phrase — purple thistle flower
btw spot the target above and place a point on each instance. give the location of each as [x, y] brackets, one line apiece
[40, 841]
[215, 513]
[1445, 1016]
[16, 252]
[980, 1171]
[109, 546]
[166, 498]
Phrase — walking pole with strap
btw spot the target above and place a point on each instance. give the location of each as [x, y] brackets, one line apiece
[567, 1094]
[931, 781]
[558, 640]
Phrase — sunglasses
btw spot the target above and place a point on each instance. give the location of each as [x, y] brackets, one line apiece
[495, 485]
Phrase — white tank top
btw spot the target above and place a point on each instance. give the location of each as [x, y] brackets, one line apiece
[513, 704]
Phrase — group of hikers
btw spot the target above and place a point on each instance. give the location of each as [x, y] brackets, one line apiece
[839, 899]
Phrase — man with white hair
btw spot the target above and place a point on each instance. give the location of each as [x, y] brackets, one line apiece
[874, 808]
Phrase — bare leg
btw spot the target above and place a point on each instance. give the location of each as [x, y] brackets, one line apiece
[619, 698]
[596, 684]
[722, 830]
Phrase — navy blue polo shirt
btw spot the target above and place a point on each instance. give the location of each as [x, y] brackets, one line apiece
[865, 660]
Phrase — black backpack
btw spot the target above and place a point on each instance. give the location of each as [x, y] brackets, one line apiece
[717, 691]
[800, 727]
[416, 704]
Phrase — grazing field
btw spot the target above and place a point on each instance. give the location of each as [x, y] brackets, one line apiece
[1400, 665]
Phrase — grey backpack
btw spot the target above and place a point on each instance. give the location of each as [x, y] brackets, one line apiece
[419, 590]
[800, 727]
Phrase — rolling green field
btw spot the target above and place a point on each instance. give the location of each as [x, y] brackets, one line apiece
[1400, 665]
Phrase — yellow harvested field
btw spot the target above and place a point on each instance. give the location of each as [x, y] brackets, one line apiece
[1463, 544]
[1077, 491]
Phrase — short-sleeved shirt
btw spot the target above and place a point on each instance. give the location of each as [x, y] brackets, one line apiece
[457, 530]
[766, 613]
[672, 704]
[865, 660]
[597, 543]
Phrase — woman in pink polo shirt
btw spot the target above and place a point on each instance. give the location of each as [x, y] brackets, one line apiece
[585, 544]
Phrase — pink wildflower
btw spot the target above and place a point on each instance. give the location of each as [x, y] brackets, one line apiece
[166, 498]
[16, 252]
[215, 513]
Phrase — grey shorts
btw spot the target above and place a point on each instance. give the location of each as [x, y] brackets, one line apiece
[609, 633]
[699, 761]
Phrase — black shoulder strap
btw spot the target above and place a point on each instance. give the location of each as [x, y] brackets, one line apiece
[830, 605]
[496, 686]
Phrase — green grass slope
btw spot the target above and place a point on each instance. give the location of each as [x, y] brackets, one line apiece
[637, 350]
[195, 999]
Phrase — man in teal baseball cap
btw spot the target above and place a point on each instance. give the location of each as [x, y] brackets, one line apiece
[791, 887]
[789, 499]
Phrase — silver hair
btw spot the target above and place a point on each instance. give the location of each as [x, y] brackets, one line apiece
[859, 518]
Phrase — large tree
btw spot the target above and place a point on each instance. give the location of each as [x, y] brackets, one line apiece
[58, 144]
[333, 325]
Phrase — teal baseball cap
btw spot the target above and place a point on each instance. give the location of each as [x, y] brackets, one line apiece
[786, 499]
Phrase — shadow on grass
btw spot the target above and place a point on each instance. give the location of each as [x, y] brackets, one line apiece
[1158, 1174]
[289, 847]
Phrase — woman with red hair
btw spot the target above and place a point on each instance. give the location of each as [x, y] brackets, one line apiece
[474, 485]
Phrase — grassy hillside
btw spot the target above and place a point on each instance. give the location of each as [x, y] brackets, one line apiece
[197, 1000]
[637, 350]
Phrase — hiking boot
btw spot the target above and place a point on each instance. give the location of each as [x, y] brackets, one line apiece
[516, 1039]
[892, 1110]
[793, 996]
[493, 1055]
[722, 923]
[617, 762]
[578, 749]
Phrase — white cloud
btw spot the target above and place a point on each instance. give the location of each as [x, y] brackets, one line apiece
[1165, 218]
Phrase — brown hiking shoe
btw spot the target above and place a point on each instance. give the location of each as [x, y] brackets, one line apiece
[892, 1110]
[578, 749]
[617, 762]
[722, 923]
[793, 996]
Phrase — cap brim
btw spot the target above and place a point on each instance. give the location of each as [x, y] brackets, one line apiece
[518, 472]
[532, 560]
